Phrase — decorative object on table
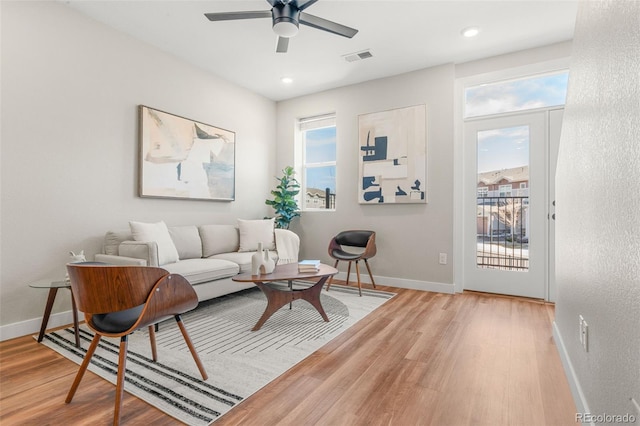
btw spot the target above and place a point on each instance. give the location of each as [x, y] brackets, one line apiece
[257, 260]
[238, 365]
[393, 156]
[268, 264]
[360, 239]
[308, 265]
[261, 261]
[185, 159]
[75, 258]
[284, 198]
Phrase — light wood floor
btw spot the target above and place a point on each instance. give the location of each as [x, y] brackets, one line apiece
[421, 359]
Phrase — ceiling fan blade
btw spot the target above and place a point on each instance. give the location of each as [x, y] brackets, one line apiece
[283, 45]
[229, 16]
[303, 4]
[326, 25]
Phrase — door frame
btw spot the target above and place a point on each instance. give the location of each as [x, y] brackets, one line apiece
[533, 282]
[493, 75]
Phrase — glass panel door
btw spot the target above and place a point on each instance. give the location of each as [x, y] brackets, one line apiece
[505, 208]
[503, 198]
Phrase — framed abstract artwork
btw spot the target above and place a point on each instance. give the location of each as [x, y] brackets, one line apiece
[392, 158]
[185, 159]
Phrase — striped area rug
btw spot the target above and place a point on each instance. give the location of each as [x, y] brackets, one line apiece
[238, 361]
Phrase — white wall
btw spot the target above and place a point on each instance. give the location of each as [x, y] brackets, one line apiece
[70, 91]
[598, 210]
[409, 237]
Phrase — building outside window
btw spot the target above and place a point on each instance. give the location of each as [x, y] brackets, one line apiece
[318, 143]
[505, 190]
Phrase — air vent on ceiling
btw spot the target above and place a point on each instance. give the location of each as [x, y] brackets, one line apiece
[358, 56]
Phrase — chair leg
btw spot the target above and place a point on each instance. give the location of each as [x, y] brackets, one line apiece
[192, 348]
[370, 274]
[152, 338]
[335, 265]
[122, 366]
[83, 367]
[348, 272]
[358, 275]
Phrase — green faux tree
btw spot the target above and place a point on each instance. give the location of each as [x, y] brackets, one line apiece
[284, 198]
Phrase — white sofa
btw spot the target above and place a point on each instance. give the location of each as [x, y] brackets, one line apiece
[208, 256]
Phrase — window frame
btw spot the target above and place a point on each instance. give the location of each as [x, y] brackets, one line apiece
[304, 125]
[504, 80]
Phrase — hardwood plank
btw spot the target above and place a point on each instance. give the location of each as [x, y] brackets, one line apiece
[421, 359]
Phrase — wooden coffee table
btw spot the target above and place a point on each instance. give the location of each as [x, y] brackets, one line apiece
[278, 297]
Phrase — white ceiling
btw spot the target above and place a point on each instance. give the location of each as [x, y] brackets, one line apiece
[402, 35]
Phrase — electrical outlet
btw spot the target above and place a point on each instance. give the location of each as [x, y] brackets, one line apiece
[443, 258]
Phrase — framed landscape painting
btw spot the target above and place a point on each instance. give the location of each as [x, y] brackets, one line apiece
[185, 159]
[392, 158]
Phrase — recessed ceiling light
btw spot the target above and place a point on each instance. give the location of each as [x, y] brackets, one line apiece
[470, 32]
[286, 80]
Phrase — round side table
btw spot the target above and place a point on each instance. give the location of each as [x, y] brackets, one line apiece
[53, 287]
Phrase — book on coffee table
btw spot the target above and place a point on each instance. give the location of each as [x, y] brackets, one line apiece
[308, 265]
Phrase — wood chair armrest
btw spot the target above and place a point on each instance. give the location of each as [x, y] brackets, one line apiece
[370, 249]
[172, 295]
[333, 245]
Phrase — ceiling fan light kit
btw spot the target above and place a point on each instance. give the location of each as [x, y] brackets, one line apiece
[285, 20]
[286, 16]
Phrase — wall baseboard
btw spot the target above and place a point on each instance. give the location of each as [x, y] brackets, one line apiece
[32, 326]
[400, 283]
[576, 390]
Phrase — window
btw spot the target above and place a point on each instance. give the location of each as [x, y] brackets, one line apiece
[532, 92]
[318, 137]
[483, 191]
[505, 190]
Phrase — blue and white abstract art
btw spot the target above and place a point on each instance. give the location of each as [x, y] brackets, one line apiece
[393, 156]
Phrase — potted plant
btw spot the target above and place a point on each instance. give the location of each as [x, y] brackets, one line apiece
[284, 202]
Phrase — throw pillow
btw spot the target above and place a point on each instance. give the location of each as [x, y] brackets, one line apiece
[158, 232]
[253, 232]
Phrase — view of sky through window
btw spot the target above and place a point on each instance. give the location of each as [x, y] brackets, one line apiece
[320, 147]
[516, 95]
[504, 148]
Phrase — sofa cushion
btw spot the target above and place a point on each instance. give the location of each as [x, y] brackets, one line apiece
[243, 259]
[113, 239]
[253, 232]
[159, 233]
[187, 241]
[218, 239]
[198, 271]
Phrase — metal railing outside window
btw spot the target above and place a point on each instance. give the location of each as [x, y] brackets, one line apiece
[503, 232]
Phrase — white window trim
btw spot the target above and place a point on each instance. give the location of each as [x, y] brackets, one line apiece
[304, 124]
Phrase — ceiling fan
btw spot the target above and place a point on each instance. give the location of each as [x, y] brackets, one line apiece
[286, 16]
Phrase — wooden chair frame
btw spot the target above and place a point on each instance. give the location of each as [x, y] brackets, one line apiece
[107, 289]
[369, 251]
